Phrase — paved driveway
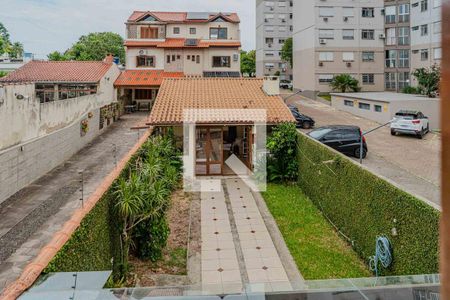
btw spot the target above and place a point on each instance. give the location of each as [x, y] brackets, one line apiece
[411, 163]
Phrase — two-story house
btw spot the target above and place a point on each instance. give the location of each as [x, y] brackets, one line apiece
[175, 44]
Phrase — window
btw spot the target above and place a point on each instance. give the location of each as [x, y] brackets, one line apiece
[391, 37]
[403, 58]
[326, 34]
[368, 12]
[378, 108]
[348, 56]
[218, 33]
[437, 27]
[348, 34]
[368, 34]
[282, 28]
[391, 58]
[424, 54]
[326, 11]
[168, 59]
[326, 56]
[403, 35]
[193, 30]
[149, 94]
[368, 56]
[269, 28]
[424, 30]
[389, 79]
[176, 30]
[390, 14]
[282, 18]
[403, 13]
[269, 40]
[281, 41]
[437, 53]
[348, 11]
[349, 103]
[403, 80]
[423, 5]
[198, 59]
[270, 53]
[145, 61]
[282, 4]
[325, 78]
[149, 33]
[368, 79]
[46, 93]
[221, 61]
[193, 58]
[363, 105]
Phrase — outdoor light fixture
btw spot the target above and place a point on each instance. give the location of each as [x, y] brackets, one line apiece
[19, 97]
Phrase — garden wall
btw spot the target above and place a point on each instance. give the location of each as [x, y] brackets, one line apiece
[364, 206]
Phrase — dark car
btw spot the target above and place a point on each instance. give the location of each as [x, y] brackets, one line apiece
[303, 121]
[343, 138]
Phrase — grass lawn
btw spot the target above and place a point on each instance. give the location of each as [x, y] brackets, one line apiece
[315, 246]
[326, 97]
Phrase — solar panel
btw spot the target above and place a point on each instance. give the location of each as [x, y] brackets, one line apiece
[191, 42]
[221, 74]
[197, 16]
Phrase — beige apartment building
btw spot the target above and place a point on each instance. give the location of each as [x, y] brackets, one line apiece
[273, 27]
[176, 44]
[334, 37]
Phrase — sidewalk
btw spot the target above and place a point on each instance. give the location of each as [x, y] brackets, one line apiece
[34, 214]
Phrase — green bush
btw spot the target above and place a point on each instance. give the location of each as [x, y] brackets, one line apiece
[150, 238]
[364, 206]
[411, 90]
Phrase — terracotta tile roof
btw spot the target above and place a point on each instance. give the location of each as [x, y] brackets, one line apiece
[144, 77]
[221, 94]
[180, 43]
[181, 17]
[59, 71]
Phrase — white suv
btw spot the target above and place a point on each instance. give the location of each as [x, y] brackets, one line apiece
[410, 122]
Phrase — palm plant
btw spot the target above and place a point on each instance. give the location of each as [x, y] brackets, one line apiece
[344, 82]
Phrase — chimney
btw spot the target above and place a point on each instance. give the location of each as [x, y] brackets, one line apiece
[271, 85]
[109, 59]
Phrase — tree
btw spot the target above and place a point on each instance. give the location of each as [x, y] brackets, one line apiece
[94, 46]
[16, 50]
[428, 80]
[344, 82]
[286, 52]
[248, 63]
[3, 74]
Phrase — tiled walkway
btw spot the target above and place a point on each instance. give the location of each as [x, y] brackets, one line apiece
[237, 248]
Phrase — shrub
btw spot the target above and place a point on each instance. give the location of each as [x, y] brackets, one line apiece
[364, 206]
[282, 145]
[411, 90]
[150, 238]
[344, 83]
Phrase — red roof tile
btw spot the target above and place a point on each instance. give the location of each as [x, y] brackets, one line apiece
[181, 17]
[59, 71]
[180, 43]
[144, 77]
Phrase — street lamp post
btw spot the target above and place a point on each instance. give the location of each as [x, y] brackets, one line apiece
[292, 95]
[363, 134]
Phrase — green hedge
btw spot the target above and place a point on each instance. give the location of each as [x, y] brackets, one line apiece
[364, 206]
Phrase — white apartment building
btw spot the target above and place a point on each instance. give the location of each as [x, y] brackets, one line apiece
[425, 34]
[176, 44]
[273, 27]
[334, 37]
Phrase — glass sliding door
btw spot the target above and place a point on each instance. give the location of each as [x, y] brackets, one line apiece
[209, 151]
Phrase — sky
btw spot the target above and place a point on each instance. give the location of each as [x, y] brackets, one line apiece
[44, 26]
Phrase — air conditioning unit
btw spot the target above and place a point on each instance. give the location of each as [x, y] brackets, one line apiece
[382, 36]
[322, 41]
[325, 19]
[283, 20]
[141, 52]
[269, 45]
[349, 64]
[320, 64]
[345, 19]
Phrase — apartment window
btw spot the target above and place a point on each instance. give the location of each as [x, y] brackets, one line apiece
[269, 66]
[197, 60]
[424, 30]
[281, 41]
[437, 27]
[193, 30]
[282, 29]
[378, 108]
[270, 3]
[149, 33]
[270, 53]
[403, 80]
[218, 33]
[391, 37]
[282, 4]
[403, 58]
[269, 40]
[325, 78]
[268, 17]
[145, 61]
[368, 34]
[403, 35]
[282, 18]
[424, 54]
[368, 12]
[368, 56]
[326, 11]
[176, 30]
[423, 5]
[390, 14]
[389, 79]
[363, 105]
[168, 59]
[269, 28]
[348, 56]
[437, 53]
[348, 34]
[349, 103]
[368, 79]
[326, 56]
[348, 12]
[221, 61]
[326, 34]
[391, 58]
[403, 13]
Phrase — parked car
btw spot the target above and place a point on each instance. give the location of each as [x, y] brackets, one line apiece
[293, 108]
[303, 121]
[343, 138]
[410, 122]
[286, 84]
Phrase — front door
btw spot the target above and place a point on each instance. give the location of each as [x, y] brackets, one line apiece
[209, 151]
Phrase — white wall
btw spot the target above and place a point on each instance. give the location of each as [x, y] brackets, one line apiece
[132, 53]
[202, 30]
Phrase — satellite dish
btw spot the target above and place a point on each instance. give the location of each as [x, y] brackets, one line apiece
[141, 52]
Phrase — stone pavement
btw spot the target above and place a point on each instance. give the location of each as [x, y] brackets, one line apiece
[31, 217]
[237, 248]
